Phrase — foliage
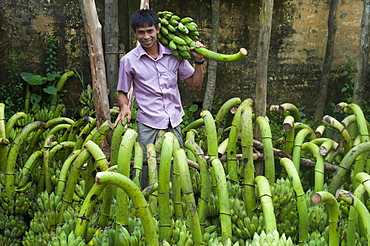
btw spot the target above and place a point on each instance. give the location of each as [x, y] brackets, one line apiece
[11, 93]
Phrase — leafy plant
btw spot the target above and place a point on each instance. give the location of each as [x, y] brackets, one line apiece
[11, 93]
[189, 114]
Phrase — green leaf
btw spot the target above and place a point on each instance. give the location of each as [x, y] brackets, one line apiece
[344, 89]
[33, 79]
[52, 90]
[35, 98]
[193, 108]
[53, 76]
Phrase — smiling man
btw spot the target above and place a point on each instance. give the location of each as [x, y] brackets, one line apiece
[155, 73]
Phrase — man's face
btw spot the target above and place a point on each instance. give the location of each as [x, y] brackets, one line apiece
[147, 36]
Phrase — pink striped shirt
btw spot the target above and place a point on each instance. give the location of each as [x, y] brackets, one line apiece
[155, 85]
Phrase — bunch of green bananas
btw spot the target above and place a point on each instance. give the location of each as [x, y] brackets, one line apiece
[12, 228]
[270, 239]
[177, 33]
[318, 217]
[17, 203]
[44, 114]
[282, 194]
[87, 102]
[319, 238]
[22, 122]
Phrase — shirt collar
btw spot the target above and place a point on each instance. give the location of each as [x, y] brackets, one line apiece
[163, 50]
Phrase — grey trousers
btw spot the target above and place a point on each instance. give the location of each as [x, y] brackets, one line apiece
[148, 135]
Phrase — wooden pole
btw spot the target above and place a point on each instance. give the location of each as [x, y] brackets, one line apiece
[94, 40]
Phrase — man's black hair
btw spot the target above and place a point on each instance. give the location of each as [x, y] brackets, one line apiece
[144, 18]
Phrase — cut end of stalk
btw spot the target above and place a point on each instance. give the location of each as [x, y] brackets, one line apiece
[316, 198]
[244, 51]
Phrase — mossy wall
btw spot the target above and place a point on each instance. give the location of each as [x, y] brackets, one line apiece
[297, 47]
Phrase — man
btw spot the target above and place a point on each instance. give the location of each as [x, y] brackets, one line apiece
[155, 72]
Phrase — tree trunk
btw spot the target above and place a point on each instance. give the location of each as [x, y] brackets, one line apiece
[263, 56]
[324, 82]
[111, 47]
[94, 40]
[363, 56]
[212, 64]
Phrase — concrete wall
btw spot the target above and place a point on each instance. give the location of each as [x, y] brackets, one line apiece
[296, 54]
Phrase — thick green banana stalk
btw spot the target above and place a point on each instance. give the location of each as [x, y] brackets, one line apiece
[290, 109]
[133, 191]
[264, 192]
[298, 141]
[61, 146]
[116, 141]
[225, 109]
[349, 123]
[268, 152]
[48, 125]
[345, 164]
[28, 166]
[232, 162]
[211, 134]
[59, 86]
[179, 34]
[359, 206]
[13, 154]
[46, 168]
[12, 120]
[205, 179]
[353, 216]
[180, 160]
[152, 178]
[124, 167]
[246, 129]
[342, 131]
[332, 207]
[301, 198]
[289, 134]
[164, 186]
[89, 127]
[65, 171]
[325, 145]
[319, 166]
[138, 163]
[223, 198]
[193, 125]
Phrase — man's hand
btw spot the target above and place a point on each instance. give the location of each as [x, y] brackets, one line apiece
[196, 55]
[124, 115]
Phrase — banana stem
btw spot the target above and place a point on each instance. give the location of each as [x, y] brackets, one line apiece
[85, 133]
[188, 195]
[342, 131]
[345, 164]
[205, 181]
[28, 166]
[319, 166]
[241, 54]
[246, 128]
[59, 86]
[13, 154]
[268, 152]
[211, 133]
[164, 186]
[64, 172]
[133, 191]
[223, 198]
[152, 178]
[225, 108]
[297, 149]
[12, 120]
[46, 152]
[138, 163]
[290, 109]
[353, 217]
[124, 167]
[332, 207]
[232, 161]
[116, 141]
[301, 199]
[360, 208]
[266, 203]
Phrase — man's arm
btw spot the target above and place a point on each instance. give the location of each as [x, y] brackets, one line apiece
[125, 110]
[196, 80]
